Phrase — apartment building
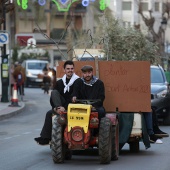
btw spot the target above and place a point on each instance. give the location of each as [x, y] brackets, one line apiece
[127, 11]
[54, 23]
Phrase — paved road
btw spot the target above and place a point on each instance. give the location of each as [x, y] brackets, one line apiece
[18, 151]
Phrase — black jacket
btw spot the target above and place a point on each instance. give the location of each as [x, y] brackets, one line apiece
[96, 91]
[67, 95]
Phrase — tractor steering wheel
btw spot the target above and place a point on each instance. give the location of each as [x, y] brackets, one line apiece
[88, 101]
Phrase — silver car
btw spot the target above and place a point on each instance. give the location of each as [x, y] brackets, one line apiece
[160, 96]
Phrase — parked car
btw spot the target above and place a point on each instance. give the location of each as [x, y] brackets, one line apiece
[160, 95]
[34, 68]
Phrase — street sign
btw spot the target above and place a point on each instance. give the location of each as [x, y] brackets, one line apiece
[31, 42]
[4, 38]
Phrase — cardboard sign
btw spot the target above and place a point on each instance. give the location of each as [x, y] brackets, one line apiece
[127, 84]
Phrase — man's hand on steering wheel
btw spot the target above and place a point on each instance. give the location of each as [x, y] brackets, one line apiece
[74, 99]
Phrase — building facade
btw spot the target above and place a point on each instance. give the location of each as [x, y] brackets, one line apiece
[127, 12]
[51, 29]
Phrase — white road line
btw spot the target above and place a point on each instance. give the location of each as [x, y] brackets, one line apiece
[16, 136]
[37, 129]
[8, 138]
[26, 133]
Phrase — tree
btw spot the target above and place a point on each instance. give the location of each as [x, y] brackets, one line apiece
[15, 54]
[156, 37]
[121, 43]
[118, 43]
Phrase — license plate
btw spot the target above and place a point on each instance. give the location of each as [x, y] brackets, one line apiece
[38, 80]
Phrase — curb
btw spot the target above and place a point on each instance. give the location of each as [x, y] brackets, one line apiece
[12, 113]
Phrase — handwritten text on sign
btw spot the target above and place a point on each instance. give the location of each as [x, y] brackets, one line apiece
[127, 85]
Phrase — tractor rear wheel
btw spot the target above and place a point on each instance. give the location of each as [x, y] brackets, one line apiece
[115, 142]
[57, 146]
[105, 140]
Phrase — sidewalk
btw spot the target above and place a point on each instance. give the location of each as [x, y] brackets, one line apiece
[6, 111]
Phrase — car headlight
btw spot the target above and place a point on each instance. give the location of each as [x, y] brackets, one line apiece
[29, 73]
[50, 73]
[161, 94]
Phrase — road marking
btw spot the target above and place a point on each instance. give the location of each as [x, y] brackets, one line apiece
[16, 136]
[8, 138]
[37, 129]
[26, 133]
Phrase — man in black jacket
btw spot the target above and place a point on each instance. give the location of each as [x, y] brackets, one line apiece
[60, 98]
[90, 87]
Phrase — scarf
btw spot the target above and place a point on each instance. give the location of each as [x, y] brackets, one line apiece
[67, 86]
[93, 80]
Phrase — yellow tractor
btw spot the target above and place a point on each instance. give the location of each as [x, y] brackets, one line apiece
[75, 130]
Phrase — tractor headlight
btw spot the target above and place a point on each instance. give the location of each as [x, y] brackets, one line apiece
[77, 135]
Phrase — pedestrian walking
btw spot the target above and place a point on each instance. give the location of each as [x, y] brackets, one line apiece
[12, 80]
[19, 75]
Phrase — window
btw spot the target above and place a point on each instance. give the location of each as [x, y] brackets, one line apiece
[57, 33]
[144, 6]
[126, 24]
[157, 6]
[165, 6]
[36, 66]
[127, 6]
[156, 76]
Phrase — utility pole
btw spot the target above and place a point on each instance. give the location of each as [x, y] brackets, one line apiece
[4, 58]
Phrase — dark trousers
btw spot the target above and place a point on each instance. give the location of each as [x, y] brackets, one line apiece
[154, 118]
[101, 112]
[20, 88]
[47, 128]
[148, 121]
[155, 122]
[57, 100]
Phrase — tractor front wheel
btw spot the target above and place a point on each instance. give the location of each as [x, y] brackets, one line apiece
[105, 140]
[57, 146]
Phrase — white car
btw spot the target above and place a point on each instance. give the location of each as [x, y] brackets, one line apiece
[33, 68]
